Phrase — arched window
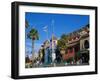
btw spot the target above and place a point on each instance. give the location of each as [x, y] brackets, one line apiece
[86, 44]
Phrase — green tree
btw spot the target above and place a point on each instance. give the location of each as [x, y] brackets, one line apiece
[61, 44]
[33, 35]
[64, 37]
[63, 41]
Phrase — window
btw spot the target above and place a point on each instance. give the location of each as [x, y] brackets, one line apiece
[86, 44]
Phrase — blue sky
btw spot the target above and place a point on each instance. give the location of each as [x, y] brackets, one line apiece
[63, 24]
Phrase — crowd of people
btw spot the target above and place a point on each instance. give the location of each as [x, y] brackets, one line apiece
[48, 55]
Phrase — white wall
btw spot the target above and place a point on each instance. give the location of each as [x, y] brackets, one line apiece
[5, 40]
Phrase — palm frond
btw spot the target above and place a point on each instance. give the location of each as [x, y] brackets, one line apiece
[33, 34]
[26, 24]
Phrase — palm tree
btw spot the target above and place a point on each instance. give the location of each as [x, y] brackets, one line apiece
[33, 34]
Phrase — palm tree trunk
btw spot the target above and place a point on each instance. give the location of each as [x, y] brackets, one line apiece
[33, 52]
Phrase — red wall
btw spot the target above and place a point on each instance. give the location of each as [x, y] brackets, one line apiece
[69, 54]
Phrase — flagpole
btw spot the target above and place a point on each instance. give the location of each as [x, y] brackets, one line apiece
[53, 27]
[53, 51]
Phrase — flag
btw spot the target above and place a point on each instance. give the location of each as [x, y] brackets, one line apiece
[45, 28]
